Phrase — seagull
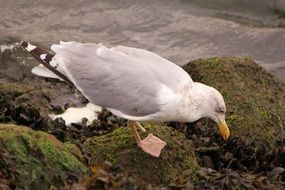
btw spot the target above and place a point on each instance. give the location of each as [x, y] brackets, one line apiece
[134, 84]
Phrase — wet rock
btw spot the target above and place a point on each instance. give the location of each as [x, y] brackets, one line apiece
[27, 115]
[207, 162]
[111, 119]
[228, 156]
[57, 109]
[81, 131]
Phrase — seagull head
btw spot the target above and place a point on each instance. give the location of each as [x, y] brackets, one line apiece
[212, 105]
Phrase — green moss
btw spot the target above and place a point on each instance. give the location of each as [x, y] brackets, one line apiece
[255, 100]
[72, 148]
[120, 148]
[13, 87]
[35, 159]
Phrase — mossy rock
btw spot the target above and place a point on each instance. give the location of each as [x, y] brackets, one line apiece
[36, 160]
[22, 103]
[120, 148]
[255, 99]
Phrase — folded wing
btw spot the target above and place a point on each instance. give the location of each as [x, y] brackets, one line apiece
[127, 80]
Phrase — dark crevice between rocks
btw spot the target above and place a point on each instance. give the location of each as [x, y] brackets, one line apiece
[105, 123]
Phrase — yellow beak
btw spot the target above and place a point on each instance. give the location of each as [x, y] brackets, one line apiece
[224, 130]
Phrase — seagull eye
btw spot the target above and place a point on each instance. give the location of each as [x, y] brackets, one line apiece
[221, 110]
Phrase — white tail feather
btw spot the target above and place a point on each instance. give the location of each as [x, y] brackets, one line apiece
[42, 71]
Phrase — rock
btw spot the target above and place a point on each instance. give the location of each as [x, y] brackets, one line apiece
[23, 104]
[254, 98]
[205, 141]
[207, 162]
[278, 172]
[112, 119]
[120, 147]
[255, 118]
[109, 177]
[36, 160]
[255, 104]
[228, 156]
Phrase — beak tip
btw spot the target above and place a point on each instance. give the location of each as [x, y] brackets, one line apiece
[224, 130]
[226, 136]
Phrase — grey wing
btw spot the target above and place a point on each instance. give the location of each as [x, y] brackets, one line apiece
[109, 78]
[167, 72]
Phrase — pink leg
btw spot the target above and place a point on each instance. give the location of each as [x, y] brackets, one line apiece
[131, 124]
[139, 126]
[151, 144]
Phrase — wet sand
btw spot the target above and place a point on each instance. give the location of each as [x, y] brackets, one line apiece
[169, 28]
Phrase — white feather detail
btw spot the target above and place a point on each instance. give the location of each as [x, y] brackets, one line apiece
[30, 47]
[42, 71]
[43, 56]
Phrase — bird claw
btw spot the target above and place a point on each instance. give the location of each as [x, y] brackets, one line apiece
[152, 145]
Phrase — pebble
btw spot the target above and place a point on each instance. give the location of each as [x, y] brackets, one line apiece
[207, 162]
[277, 171]
[205, 141]
[228, 156]
[111, 119]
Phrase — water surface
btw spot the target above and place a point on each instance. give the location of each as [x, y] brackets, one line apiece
[179, 30]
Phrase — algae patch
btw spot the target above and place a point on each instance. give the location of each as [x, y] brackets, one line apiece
[120, 148]
[34, 160]
[255, 100]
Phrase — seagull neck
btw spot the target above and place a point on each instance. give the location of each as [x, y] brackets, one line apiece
[190, 102]
[195, 99]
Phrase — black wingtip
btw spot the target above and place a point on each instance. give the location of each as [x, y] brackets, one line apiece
[24, 44]
[36, 52]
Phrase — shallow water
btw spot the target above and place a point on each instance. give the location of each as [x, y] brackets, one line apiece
[261, 13]
[178, 30]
